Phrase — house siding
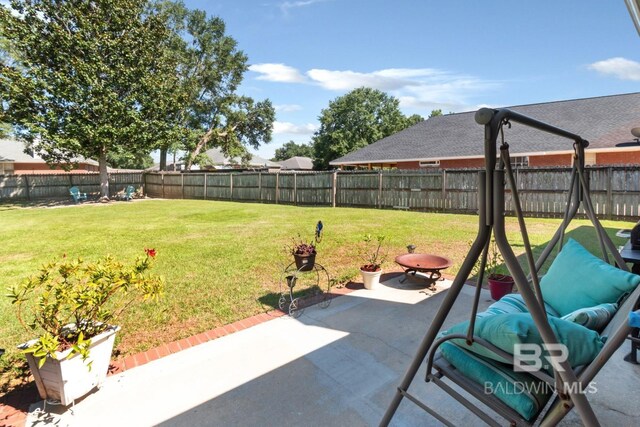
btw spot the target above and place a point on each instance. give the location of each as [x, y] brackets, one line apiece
[550, 160]
[461, 163]
[618, 158]
[42, 168]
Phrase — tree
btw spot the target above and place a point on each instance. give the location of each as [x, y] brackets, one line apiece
[355, 120]
[414, 119]
[435, 113]
[128, 160]
[210, 70]
[86, 78]
[291, 149]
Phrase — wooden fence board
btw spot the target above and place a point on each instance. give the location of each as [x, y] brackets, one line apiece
[56, 186]
[543, 191]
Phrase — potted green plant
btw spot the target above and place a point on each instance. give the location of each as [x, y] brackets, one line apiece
[374, 257]
[499, 284]
[72, 305]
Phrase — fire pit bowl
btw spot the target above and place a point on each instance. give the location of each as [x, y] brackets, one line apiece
[429, 264]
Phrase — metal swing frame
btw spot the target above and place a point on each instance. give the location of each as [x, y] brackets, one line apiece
[491, 212]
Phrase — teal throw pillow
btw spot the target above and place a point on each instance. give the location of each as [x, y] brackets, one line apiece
[506, 330]
[577, 279]
[595, 318]
[513, 303]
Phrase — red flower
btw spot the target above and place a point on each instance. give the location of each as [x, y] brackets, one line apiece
[151, 252]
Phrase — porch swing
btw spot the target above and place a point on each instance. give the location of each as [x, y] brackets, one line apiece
[467, 357]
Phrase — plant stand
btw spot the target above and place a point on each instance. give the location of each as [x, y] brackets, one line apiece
[316, 284]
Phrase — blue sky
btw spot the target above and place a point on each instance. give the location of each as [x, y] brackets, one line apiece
[453, 55]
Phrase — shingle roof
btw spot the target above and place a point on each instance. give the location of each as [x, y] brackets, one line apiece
[217, 158]
[297, 163]
[13, 150]
[605, 122]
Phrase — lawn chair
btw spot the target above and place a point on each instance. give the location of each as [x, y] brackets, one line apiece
[77, 195]
[470, 371]
[127, 193]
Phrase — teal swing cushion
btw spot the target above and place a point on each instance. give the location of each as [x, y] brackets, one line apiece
[506, 330]
[523, 393]
[513, 303]
[595, 318]
[577, 279]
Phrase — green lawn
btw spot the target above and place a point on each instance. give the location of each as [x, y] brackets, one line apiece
[222, 261]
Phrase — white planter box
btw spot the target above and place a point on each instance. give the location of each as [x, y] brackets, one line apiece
[66, 380]
[371, 279]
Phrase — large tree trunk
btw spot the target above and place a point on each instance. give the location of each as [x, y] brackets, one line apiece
[163, 159]
[104, 175]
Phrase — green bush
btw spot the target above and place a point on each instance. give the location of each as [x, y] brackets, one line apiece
[69, 302]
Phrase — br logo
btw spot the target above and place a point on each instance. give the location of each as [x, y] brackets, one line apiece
[530, 357]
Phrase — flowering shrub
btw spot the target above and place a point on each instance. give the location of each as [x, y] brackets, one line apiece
[69, 302]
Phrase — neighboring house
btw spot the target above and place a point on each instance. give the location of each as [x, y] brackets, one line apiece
[220, 161]
[457, 141]
[13, 160]
[297, 163]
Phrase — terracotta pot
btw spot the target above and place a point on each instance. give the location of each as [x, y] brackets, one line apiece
[305, 262]
[371, 279]
[500, 285]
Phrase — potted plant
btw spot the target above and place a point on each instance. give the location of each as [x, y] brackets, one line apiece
[499, 284]
[73, 305]
[304, 254]
[374, 258]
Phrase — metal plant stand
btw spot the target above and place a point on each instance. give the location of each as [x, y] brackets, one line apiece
[315, 280]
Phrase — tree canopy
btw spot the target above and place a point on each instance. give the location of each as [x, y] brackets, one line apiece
[355, 120]
[85, 77]
[211, 113]
[291, 149]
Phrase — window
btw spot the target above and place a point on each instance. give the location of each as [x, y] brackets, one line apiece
[430, 163]
[520, 161]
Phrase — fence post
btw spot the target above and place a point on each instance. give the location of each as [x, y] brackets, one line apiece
[205, 187]
[26, 186]
[162, 175]
[182, 185]
[277, 187]
[379, 189]
[295, 188]
[334, 188]
[609, 192]
[260, 186]
[144, 183]
[231, 185]
[444, 188]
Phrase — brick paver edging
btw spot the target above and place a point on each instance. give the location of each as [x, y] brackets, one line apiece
[13, 410]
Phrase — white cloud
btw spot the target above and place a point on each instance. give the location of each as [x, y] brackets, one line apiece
[347, 80]
[277, 73]
[288, 5]
[288, 108]
[622, 68]
[293, 129]
[416, 88]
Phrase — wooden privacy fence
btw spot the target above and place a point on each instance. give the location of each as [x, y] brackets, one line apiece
[543, 191]
[52, 186]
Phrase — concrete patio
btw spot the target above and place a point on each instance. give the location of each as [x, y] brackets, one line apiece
[329, 367]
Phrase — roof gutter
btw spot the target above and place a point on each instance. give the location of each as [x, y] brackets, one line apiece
[433, 159]
[634, 10]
